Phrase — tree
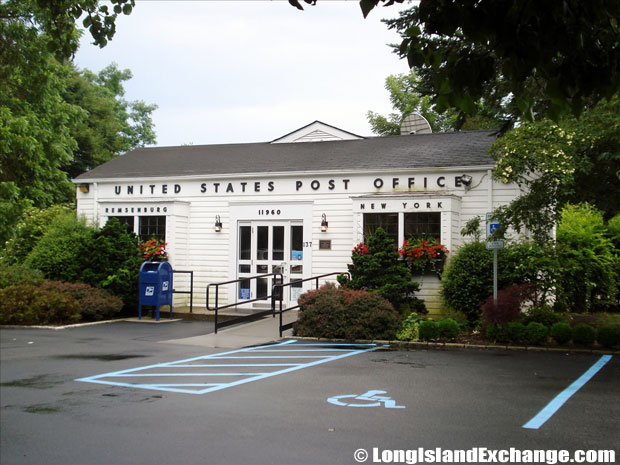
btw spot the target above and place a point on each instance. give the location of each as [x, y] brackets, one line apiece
[406, 99]
[576, 160]
[568, 51]
[113, 126]
[376, 267]
[35, 121]
[57, 20]
[406, 95]
[554, 57]
[40, 117]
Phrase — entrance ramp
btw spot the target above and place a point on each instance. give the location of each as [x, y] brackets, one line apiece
[258, 332]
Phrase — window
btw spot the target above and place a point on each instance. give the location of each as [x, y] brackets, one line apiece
[126, 220]
[387, 221]
[401, 226]
[152, 227]
[422, 225]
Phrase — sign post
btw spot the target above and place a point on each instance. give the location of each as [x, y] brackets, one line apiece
[493, 245]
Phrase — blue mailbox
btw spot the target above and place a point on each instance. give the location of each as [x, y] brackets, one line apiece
[155, 286]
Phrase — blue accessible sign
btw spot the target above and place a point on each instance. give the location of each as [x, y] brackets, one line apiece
[492, 226]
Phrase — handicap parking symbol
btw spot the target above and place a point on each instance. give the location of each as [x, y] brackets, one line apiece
[369, 399]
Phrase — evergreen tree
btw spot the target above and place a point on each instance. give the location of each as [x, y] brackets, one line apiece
[377, 267]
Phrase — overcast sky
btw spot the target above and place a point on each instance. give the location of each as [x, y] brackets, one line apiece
[251, 71]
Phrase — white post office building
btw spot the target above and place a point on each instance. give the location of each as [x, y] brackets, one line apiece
[300, 202]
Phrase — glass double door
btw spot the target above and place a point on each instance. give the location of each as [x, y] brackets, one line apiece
[270, 247]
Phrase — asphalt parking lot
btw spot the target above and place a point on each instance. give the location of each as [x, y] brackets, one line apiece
[293, 403]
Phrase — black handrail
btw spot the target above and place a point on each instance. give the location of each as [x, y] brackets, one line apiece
[253, 316]
[281, 287]
[191, 288]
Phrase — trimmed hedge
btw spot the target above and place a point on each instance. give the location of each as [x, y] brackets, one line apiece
[536, 333]
[561, 332]
[584, 334]
[448, 329]
[337, 313]
[31, 305]
[608, 336]
[95, 304]
[516, 332]
[429, 330]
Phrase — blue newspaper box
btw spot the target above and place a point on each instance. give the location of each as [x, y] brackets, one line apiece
[155, 286]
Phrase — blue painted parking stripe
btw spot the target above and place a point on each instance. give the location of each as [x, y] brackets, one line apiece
[331, 354]
[566, 394]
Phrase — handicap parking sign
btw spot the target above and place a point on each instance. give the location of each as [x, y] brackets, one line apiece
[372, 398]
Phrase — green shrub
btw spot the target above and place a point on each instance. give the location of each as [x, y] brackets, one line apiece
[587, 264]
[336, 313]
[95, 304]
[448, 329]
[59, 253]
[608, 336]
[584, 334]
[536, 333]
[31, 305]
[496, 333]
[561, 332]
[466, 281]
[468, 278]
[515, 332]
[429, 330]
[410, 329]
[33, 224]
[13, 275]
[457, 316]
[613, 232]
[106, 258]
[543, 314]
[377, 267]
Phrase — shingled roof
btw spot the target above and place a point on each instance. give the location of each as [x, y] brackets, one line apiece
[468, 148]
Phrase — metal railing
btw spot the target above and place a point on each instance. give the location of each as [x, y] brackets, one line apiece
[253, 316]
[191, 288]
[281, 286]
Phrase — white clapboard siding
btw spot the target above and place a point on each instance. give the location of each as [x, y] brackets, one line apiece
[195, 245]
[430, 287]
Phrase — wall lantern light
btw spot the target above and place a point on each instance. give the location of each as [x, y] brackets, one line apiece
[218, 223]
[324, 223]
[466, 179]
[84, 187]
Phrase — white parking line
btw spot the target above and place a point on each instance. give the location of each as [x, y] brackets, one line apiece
[288, 349]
